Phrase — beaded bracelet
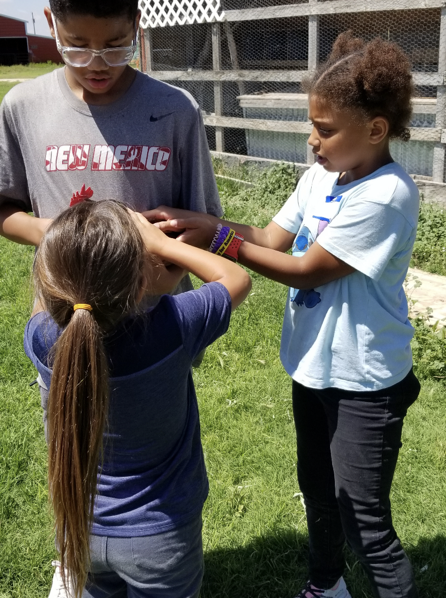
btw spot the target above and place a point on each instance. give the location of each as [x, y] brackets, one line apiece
[221, 236]
[214, 240]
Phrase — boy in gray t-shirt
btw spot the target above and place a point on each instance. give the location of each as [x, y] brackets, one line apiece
[98, 127]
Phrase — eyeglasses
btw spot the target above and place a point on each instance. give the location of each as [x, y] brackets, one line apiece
[82, 57]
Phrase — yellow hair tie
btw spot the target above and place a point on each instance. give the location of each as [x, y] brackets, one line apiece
[82, 306]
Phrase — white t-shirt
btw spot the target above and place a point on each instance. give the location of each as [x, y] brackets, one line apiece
[352, 333]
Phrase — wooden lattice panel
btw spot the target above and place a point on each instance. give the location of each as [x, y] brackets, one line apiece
[164, 13]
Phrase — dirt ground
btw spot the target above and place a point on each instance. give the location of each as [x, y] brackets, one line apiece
[431, 293]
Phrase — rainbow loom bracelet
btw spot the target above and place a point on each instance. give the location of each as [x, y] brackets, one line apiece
[224, 231]
[223, 247]
[214, 240]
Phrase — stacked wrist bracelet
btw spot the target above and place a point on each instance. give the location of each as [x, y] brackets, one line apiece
[226, 242]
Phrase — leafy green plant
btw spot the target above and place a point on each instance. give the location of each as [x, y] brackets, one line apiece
[429, 350]
[429, 251]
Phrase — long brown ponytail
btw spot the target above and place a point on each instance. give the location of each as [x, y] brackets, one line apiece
[92, 253]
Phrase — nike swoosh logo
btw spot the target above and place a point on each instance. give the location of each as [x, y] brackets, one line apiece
[154, 119]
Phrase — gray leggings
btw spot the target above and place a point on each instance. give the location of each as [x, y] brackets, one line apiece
[168, 565]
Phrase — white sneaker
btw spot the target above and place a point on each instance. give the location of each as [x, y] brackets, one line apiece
[58, 589]
[339, 590]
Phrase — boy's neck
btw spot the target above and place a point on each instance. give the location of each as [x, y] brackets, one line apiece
[121, 86]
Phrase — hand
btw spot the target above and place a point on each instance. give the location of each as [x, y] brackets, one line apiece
[193, 228]
[154, 239]
[162, 213]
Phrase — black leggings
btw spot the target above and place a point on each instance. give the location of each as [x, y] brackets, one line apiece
[347, 448]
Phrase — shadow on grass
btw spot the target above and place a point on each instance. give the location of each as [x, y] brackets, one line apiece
[428, 559]
[276, 567]
[268, 567]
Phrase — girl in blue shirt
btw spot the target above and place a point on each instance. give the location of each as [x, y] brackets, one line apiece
[126, 470]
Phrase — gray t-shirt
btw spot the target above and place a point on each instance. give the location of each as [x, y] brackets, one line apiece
[146, 149]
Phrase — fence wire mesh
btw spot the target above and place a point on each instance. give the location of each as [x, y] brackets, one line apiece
[245, 68]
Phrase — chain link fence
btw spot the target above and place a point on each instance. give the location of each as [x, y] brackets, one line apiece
[244, 60]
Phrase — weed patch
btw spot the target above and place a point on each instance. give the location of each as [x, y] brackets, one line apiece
[429, 252]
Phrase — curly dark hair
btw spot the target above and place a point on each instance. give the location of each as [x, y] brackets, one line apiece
[373, 78]
[100, 9]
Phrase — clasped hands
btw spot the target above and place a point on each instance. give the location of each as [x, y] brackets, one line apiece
[193, 228]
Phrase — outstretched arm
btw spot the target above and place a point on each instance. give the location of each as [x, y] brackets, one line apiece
[207, 266]
[20, 227]
[313, 269]
[198, 229]
[262, 251]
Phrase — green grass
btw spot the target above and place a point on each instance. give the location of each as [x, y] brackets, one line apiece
[27, 71]
[255, 534]
[25, 528]
[20, 71]
[4, 88]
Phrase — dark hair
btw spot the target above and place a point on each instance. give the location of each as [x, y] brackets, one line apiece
[373, 78]
[92, 253]
[100, 9]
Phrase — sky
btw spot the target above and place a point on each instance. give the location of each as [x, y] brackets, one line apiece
[22, 9]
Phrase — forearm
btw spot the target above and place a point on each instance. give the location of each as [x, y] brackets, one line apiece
[315, 268]
[198, 229]
[20, 227]
[209, 268]
[278, 266]
[252, 234]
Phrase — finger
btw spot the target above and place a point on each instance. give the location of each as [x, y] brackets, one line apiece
[166, 226]
[160, 213]
[185, 223]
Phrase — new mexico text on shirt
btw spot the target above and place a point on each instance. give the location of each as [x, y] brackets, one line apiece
[107, 157]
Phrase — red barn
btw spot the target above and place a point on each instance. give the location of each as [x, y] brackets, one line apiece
[42, 49]
[17, 47]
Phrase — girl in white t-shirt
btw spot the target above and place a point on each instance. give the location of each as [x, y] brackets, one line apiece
[351, 223]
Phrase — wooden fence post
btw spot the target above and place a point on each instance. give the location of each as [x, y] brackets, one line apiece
[313, 58]
[218, 86]
[440, 121]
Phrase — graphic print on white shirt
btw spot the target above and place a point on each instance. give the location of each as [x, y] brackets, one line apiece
[305, 238]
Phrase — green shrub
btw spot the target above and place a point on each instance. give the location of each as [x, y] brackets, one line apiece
[429, 350]
[429, 251]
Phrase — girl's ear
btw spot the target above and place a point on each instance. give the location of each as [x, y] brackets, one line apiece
[379, 129]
